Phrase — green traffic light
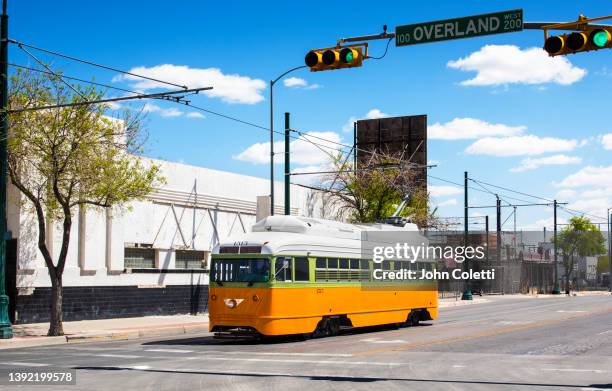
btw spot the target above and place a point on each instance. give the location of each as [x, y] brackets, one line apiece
[600, 38]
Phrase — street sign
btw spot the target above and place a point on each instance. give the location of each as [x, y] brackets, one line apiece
[466, 27]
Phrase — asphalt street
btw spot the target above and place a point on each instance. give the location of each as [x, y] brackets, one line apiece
[507, 343]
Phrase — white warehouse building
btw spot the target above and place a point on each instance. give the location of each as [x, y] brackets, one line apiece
[147, 259]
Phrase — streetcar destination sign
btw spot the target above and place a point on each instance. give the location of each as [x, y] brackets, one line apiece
[466, 27]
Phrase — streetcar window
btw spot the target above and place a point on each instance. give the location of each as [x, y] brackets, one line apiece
[282, 269]
[301, 269]
[344, 264]
[364, 264]
[386, 265]
[321, 264]
[354, 264]
[332, 263]
[241, 270]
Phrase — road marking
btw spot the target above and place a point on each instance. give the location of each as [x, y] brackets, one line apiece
[169, 350]
[458, 366]
[141, 367]
[574, 370]
[281, 353]
[331, 362]
[604, 332]
[570, 311]
[117, 355]
[25, 364]
[377, 340]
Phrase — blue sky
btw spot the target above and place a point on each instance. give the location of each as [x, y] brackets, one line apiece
[525, 122]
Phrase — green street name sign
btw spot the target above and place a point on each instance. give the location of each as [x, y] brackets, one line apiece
[466, 27]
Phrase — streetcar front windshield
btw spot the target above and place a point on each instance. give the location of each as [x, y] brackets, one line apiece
[241, 270]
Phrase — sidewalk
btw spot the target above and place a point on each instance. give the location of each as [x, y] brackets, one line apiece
[34, 334]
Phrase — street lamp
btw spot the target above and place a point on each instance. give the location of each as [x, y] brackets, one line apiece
[272, 82]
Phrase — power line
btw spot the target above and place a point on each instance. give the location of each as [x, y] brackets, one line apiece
[74, 78]
[513, 191]
[20, 44]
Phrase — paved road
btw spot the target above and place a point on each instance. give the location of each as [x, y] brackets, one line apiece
[504, 344]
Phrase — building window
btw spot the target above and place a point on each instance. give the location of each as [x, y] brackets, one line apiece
[139, 258]
[190, 259]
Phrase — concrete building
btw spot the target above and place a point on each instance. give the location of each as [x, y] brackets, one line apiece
[149, 258]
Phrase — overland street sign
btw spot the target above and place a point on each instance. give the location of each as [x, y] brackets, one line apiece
[466, 27]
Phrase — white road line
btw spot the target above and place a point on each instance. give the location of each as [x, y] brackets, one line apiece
[279, 353]
[570, 311]
[605, 332]
[376, 340]
[169, 350]
[574, 370]
[116, 355]
[25, 364]
[331, 362]
[141, 367]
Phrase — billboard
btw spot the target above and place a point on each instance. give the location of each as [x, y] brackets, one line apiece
[400, 136]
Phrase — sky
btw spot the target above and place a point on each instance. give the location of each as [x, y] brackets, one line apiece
[497, 106]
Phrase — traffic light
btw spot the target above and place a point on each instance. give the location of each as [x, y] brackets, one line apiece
[579, 41]
[334, 58]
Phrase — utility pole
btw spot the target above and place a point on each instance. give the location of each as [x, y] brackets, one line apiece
[556, 289]
[610, 248]
[271, 148]
[487, 236]
[467, 293]
[498, 240]
[287, 168]
[6, 330]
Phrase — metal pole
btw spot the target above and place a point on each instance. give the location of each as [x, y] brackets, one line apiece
[487, 235]
[556, 289]
[498, 241]
[355, 146]
[287, 168]
[6, 330]
[467, 293]
[610, 250]
[271, 148]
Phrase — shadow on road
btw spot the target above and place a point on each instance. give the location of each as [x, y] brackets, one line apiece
[210, 340]
[354, 379]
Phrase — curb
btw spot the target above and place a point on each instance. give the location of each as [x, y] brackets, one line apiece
[25, 342]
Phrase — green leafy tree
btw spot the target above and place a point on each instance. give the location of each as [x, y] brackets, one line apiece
[63, 159]
[376, 188]
[580, 238]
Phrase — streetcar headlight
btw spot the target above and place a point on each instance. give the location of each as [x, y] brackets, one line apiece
[213, 297]
[255, 298]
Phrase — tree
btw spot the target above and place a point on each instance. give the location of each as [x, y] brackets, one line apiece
[580, 238]
[63, 159]
[376, 188]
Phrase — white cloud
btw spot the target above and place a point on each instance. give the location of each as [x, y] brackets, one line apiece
[169, 112]
[508, 64]
[470, 128]
[441, 191]
[589, 176]
[554, 160]
[231, 88]
[372, 114]
[303, 152]
[520, 145]
[296, 82]
[449, 202]
[606, 141]
[194, 114]
[589, 190]
[547, 223]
